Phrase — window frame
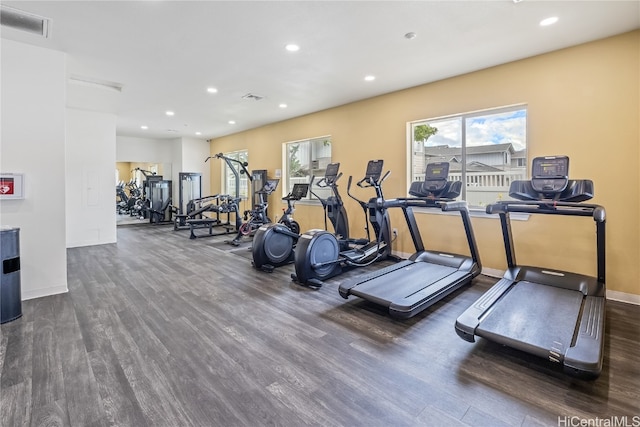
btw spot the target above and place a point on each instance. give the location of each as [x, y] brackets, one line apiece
[286, 175]
[226, 173]
[463, 117]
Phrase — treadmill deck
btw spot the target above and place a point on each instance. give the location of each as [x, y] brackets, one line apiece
[535, 317]
[411, 288]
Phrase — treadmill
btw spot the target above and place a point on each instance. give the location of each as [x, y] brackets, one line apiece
[408, 287]
[555, 315]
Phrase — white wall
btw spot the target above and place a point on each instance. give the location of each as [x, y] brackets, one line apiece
[194, 152]
[132, 149]
[33, 143]
[90, 178]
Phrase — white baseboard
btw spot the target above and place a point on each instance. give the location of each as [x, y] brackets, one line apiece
[492, 272]
[44, 292]
[623, 297]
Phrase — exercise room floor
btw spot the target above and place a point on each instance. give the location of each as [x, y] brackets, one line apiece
[160, 330]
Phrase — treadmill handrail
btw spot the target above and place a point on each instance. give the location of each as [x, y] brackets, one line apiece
[504, 208]
[420, 202]
[446, 205]
[549, 208]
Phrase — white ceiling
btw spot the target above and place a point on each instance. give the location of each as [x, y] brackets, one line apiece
[166, 53]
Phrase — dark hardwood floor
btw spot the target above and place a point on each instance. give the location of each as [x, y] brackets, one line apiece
[160, 330]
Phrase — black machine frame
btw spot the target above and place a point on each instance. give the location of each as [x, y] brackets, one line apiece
[160, 199]
[273, 244]
[562, 313]
[184, 204]
[408, 287]
[320, 255]
[226, 204]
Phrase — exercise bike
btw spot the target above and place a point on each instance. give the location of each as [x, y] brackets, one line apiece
[273, 243]
[320, 255]
[256, 217]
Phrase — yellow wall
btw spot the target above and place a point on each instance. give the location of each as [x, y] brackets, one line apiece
[582, 102]
[124, 171]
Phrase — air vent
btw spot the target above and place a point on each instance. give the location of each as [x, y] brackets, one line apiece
[252, 96]
[93, 82]
[24, 21]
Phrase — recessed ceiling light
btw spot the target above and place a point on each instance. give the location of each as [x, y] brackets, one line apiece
[369, 78]
[144, 127]
[212, 90]
[170, 113]
[410, 36]
[549, 21]
[198, 133]
[292, 47]
[282, 105]
[232, 122]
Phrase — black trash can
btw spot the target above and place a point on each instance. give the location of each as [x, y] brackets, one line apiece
[10, 298]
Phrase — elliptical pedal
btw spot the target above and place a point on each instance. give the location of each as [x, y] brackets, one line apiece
[311, 283]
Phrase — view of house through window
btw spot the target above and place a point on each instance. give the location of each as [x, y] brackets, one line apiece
[304, 159]
[486, 150]
[229, 179]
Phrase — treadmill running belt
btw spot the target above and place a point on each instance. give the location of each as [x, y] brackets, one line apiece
[534, 315]
[402, 283]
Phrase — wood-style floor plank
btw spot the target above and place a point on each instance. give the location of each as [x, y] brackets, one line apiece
[161, 330]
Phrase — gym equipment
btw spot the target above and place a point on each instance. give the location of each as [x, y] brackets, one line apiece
[258, 180]
[257, 216]
[226, 204]
[552, 314]
[273, 243]
[128, 203]
[159, 208]
[408, 287]
[194, 210]
[189, 189]
[122, 200]
[10, 290]
[320, 255]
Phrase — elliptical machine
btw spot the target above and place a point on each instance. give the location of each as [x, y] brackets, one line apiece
[320, 255]
[273, 243]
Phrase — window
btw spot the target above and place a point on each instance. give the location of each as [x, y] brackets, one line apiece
[229, 179]
[487, 150]
[306, 158]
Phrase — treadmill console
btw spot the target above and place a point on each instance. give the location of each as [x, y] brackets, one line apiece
[436, 184]
[331, 174]
[550, 175]
[550, 181]
[435, 178]
[374, 170]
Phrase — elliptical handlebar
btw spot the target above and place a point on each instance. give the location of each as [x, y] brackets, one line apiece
[323, 183]
[366, 182]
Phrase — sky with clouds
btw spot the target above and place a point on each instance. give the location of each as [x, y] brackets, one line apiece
[496, 128]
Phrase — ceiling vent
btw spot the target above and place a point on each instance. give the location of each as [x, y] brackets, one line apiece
[252, 96]
[93, 82]
[24, 21]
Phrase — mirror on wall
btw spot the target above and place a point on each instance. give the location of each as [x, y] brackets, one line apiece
[132, 192]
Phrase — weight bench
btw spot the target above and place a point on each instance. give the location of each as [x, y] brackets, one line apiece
[202, 223]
